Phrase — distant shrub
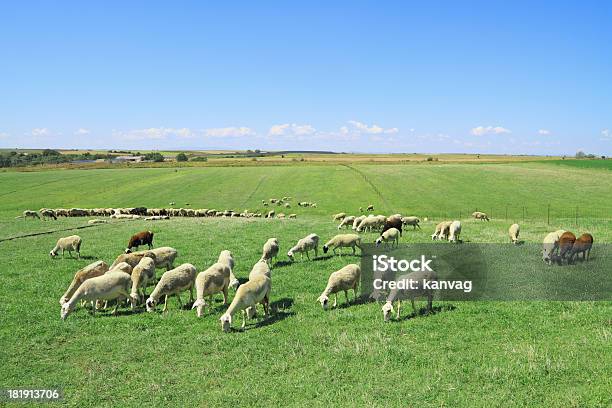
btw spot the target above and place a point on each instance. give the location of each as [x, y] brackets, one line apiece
[430, 158]
[199, 159]
[181, 157]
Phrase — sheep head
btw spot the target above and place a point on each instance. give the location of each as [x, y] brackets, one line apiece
[66, 310]
[325, 249]
[226, 322]
[234, 284]
[378, 241]
[387, 309]
[290, 255]
[150, 304]
[324, 300]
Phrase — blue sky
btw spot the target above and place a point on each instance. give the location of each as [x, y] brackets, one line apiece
[471, 76]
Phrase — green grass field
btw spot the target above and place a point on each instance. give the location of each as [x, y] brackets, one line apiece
[466, 354]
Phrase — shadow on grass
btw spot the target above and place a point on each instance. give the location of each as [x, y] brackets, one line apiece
[360, 300]
[276, 315]
[424, 312]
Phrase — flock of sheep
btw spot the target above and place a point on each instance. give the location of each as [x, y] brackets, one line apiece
[128, 277]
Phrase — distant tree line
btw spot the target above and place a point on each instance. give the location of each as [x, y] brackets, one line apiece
[47, 156]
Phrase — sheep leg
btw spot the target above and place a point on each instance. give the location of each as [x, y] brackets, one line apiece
[429, 303]
[266, 305]
[316, 252]
[414, 307]
[191, 294]
[307, 256]
[225, 295]
[244, 313]
[335, 299]
[399, 306]
[114, 312]
[165, 305]
[346, 297]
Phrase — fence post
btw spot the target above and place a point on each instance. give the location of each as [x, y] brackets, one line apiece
[548, 215]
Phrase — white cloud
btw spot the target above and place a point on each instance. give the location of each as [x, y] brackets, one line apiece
[82, 132]
[606, 134]
[38, 132]
[544, 132]
[229, 132]
[372, 130]
[3, 135]
[489, 130]
[153, 133]
[291, 129]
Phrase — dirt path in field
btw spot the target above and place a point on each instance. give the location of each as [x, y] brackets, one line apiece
[33, 234]
[367, 180]
[246, 200]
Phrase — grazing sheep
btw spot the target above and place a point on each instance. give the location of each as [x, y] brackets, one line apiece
[566, 243]
[140, 238]
[347, 222]
[213, 280]
[391, 235]
[514, 232]
[30, 214]
[305, 245]
[260, 268]
[164, 257]
[111, 285]
[270, 250]
[173, 282]
[122, 267]
[343, 241]
[133, 258]
[248, 295]
[157, 218]
[454, 231]
[442, 230]
[413, 290]
[71, 243]
[395, 221]
[270, 214]
[370, 223]
[292, 216]
[142, 274]
[341, 280]
[47, 213]
[339, 216]
[357, 221]
[550, 245]
[92, 270]
[583, 245]
[226, 258]
[370, 207]
[479, 215]
[414, 221]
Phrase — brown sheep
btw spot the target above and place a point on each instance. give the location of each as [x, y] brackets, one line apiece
[392, 222]
[566, 243]
[141, 238]
[583, 245]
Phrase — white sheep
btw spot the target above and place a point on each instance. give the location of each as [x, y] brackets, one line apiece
[270, 250]
[479, 215]
[391, 235]
[173, 282]
[339, 216]
[97, 221]
[341, 280]
[454, 230]
[30, 213]
[142, 274]
[414, 221]
[442, 230]
[71, 243]
[514, 231]
[123, 267]
[226, 258]
[213, 280]
[92, 270]
[164, 257]
[132, 258]
[357, 221]
[248, 295]
[305, 245]
[414, 288]
[550, 245]
[112, 285]
[371, 223]
[347, 221]
[343, 241]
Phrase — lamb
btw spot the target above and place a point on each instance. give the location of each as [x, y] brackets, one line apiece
[173, 282]
[343, 241]
[341, 280]
[112, 285]
[142, 273]
[339, 216]
[514, 231]
[391, 235]
[442, 230]
[347, 222]
[305, 244]
[395, 221]
[213, 280]
[454, 231]
[583, 245]
[566, 243]
[248, 295]
[414, 221]
[30, 214]
[479, 215]
[140, 238]
[92, 270]
[71, 243]
[414, 289]
[226, 258]
[270, 250]
[550, 245]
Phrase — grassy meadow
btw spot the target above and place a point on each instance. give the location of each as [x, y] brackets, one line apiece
[553, 354]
